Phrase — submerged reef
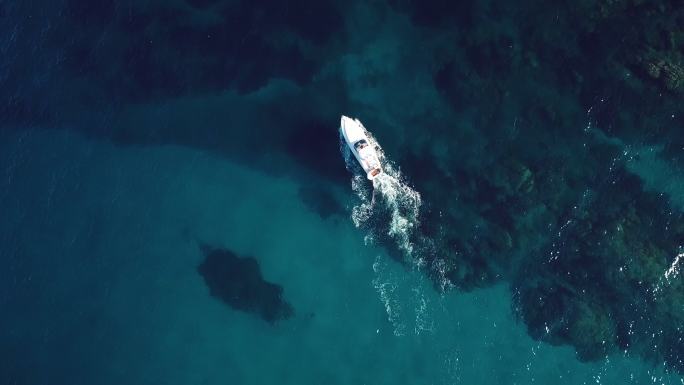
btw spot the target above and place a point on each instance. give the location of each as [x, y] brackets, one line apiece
[540, 194]
[237, 281]
[601, 286]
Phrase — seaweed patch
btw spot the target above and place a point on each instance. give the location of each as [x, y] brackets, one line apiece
[237, 282]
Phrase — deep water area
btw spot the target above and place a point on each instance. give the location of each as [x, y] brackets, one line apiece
[177, 205]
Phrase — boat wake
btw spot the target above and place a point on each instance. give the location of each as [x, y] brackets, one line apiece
[389, 210]
[668, 279]
[404, 296]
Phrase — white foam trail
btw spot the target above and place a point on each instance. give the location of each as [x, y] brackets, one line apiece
[362, 212]
[669, 274]
[673, 271]
[390, 190]
[386, 285]
[404, 205]
[441, 267]
[405, 297]
[424, 321]
[392, 206]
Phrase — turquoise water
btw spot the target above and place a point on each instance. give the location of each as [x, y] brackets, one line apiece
[135, 310]
[176, 206]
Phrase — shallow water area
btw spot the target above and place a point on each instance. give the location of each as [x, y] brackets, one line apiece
[122, 269]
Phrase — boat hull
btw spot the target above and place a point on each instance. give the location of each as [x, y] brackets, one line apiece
[354, 134]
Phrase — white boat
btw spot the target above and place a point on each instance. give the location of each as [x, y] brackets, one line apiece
[356, 136]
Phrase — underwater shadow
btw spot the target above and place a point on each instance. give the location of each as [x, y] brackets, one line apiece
[237, 282]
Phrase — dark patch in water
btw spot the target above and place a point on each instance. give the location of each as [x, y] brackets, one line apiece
[202, 3]
[321, 200]
[315, 144]
[237, 281]
[437, 12]
[164, 51]
[91, 12]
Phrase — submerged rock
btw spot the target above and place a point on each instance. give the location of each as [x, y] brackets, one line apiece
[604, 289]
[237, 281]
[663, 67]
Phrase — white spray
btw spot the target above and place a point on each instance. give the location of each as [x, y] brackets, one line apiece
[393, 202]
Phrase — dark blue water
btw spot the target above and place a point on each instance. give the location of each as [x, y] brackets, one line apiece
[176, 205]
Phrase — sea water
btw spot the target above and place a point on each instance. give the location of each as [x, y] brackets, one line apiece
[134, 133]
[101, 283]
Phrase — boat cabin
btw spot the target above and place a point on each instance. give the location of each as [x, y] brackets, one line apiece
[360, 144]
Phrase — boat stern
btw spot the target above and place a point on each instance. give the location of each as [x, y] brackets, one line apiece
[374, 173]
